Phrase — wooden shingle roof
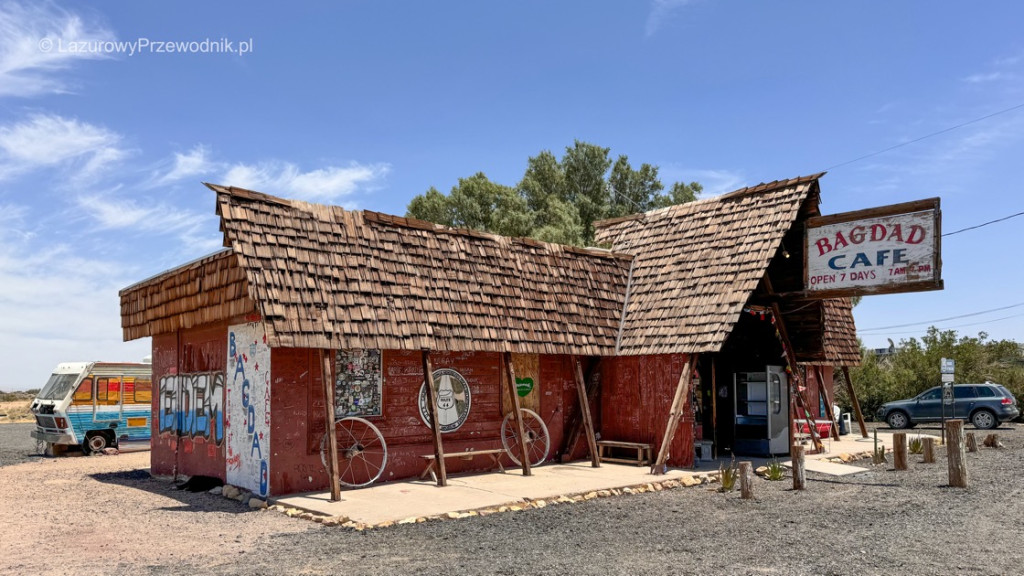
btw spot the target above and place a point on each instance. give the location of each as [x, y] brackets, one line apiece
[841, 346]
[325, 277]
[697, 264]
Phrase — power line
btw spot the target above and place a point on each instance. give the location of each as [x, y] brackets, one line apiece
[948, 327]
[943, 131]
[941, 319]
[985, 224]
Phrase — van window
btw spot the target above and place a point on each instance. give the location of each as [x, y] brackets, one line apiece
[114, 391]
[58, 386]
[986, 392]
[143, 391]
[963, 392]
[84, 393]
[933, 394]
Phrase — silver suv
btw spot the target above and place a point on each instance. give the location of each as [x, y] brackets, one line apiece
[985, 405]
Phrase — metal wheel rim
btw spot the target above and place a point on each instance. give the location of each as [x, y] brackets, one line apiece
[96, 442]
[362, 452]
[898, 421]
[984, 420]
[538, 440]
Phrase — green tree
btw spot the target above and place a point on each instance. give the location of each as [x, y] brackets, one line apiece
[556, 200]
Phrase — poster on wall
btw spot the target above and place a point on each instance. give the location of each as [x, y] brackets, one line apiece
[454, 400]
[248, 408]
[357, 383]
[876, 251]
[527, 369]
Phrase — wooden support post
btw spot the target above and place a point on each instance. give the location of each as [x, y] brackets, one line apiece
[972, 442]
[992, 441]
[799, 476]
[856, 403]
[828, 402]
[675, 414]
[801, 398]
[955, 453]
[524, 455]
[593, 386]
[327, 380]
[746, 480]
[929, 449]
[435, 427]
[899, 450]
[714, 409]
[588, 421]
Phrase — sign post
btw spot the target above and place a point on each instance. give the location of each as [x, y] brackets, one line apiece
[948, 369]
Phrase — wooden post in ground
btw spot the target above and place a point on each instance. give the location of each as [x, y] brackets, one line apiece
[832, 416]
[593, 385]
[929, 449]
[517, 415]
[588, 421]
[327, 379]
[799, 476]
[992, 441]
[955, 453]
[675, 413]
[972, 442]
[435, 426]
[899, 450]
[855, 402]
[746, 480]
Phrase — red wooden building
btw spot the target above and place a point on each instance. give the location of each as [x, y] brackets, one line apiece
[243, 337]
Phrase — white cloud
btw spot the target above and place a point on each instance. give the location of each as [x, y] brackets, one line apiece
[662, 10]
[286, 179]
[46, 140]
[982, 78]
[33, 46]
[715, 182]
[197, 232]
[194, 163]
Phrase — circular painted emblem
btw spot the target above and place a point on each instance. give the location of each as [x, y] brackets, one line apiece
[453, 400]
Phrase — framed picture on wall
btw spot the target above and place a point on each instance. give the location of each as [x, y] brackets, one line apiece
[358, 383]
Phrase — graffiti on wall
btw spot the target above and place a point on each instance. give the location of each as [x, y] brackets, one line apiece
[193, 405]
[248, 408]
[357, 383]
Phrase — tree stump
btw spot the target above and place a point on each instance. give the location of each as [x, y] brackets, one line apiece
[972, 442]
[992, 441]
[799, 476]
[955, 455]
[929, 449]
[899, 450]
[746, 480]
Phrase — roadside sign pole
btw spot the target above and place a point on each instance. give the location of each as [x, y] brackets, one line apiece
[947, 367]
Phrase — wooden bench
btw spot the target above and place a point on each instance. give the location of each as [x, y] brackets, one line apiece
[605, 450]
[431, 469]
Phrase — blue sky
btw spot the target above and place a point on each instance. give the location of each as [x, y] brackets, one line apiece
[367, 104]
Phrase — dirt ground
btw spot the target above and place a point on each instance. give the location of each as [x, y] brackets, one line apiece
[105, 515]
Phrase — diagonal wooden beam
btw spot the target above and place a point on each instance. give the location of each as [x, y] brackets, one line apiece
[588, 421]
[593, 385]
[518, 415]
[327, 379]
[820, 377]
[856, 403]
[674, 415]
[435, 426]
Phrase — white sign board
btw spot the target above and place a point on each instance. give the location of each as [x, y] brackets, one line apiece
[948, 366]
[947, 378]
[881, 250]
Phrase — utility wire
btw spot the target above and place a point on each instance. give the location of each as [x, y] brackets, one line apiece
[948, 327]
[941, 319]
[985, 224]
[909, 142]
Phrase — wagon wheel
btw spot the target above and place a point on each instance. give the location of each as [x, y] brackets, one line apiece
[538, 441]
[362, 453]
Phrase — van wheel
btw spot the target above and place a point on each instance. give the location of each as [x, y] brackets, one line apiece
[95, 442]
[984, 420]
[898, 420]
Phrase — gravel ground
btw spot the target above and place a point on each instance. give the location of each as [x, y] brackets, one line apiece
[104, 515]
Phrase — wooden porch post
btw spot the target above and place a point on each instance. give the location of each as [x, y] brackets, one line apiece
[435, 427]
[327, 380]
[588, 421]
[828, 402]
[518, 415]
[674, 415]
[856, 403]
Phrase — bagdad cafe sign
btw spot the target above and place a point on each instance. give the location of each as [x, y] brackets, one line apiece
[876, 251]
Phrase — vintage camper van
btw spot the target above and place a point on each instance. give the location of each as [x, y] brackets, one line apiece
[94, 405]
